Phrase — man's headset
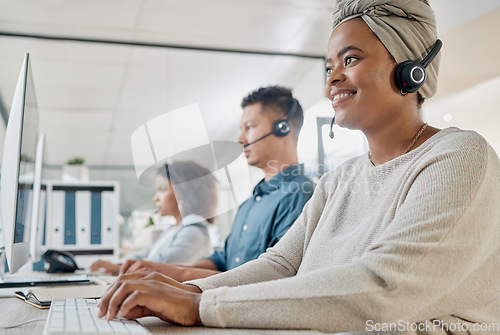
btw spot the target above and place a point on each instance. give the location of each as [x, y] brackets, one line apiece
[410, 75]
[281, 128]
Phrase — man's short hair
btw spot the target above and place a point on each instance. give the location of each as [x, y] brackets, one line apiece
[279, 101]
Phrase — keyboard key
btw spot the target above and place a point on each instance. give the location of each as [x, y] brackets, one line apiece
[103, 326]
[79, 316]
[134, 327]
[118, 326]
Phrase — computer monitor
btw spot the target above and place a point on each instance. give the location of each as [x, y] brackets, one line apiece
[38, 209]
[18, 167]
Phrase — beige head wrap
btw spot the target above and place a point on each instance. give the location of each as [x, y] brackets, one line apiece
[407, 29]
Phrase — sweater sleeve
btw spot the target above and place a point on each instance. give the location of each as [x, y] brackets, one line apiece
[280, 261]
[438, 255]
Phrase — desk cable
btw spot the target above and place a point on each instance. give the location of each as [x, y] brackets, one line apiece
[23, 323]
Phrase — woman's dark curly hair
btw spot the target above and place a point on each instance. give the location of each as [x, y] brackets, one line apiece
[194, 186]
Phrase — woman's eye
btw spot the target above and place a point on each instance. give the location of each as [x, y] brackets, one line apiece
[350, 60]
[329, 70]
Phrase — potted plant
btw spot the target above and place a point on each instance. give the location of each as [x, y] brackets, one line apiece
[75, 170]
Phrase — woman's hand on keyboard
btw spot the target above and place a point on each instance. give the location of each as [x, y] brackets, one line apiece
[151, 294]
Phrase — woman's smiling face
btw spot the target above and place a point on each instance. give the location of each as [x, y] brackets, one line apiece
[360, 77]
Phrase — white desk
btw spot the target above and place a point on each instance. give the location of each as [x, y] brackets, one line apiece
[14, 310]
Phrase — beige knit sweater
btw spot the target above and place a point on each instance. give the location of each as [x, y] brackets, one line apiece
[402, 246]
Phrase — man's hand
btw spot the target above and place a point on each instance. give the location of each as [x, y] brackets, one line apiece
[108, 267]
[151, 294]
[167, 269]
[177, 271]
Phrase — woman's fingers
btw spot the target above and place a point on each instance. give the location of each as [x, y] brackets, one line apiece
[137, 304]
[147, 297]
[104, 301]
[119, 295]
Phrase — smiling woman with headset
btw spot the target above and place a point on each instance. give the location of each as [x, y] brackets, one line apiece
[406, 235]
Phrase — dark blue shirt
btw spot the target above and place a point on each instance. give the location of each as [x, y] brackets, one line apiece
[264, 218]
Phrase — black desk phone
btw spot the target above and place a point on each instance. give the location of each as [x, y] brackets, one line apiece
[60, 261]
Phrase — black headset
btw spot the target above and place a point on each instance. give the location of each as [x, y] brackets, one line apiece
[331, 134]
[281, 128]
[410, 75]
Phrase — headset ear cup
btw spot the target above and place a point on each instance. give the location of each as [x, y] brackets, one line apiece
[410, 76]
[281, 128]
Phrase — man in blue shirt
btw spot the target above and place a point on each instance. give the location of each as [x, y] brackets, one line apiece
[264, 218]
[270, 128]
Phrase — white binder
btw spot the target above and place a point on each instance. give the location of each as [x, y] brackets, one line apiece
[83, 218]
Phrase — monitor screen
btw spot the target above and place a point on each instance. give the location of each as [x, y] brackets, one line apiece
[18, 170]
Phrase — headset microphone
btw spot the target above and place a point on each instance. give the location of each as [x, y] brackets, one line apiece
[331, 128]
[410, 75]
[257, 140]
[281, 128]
